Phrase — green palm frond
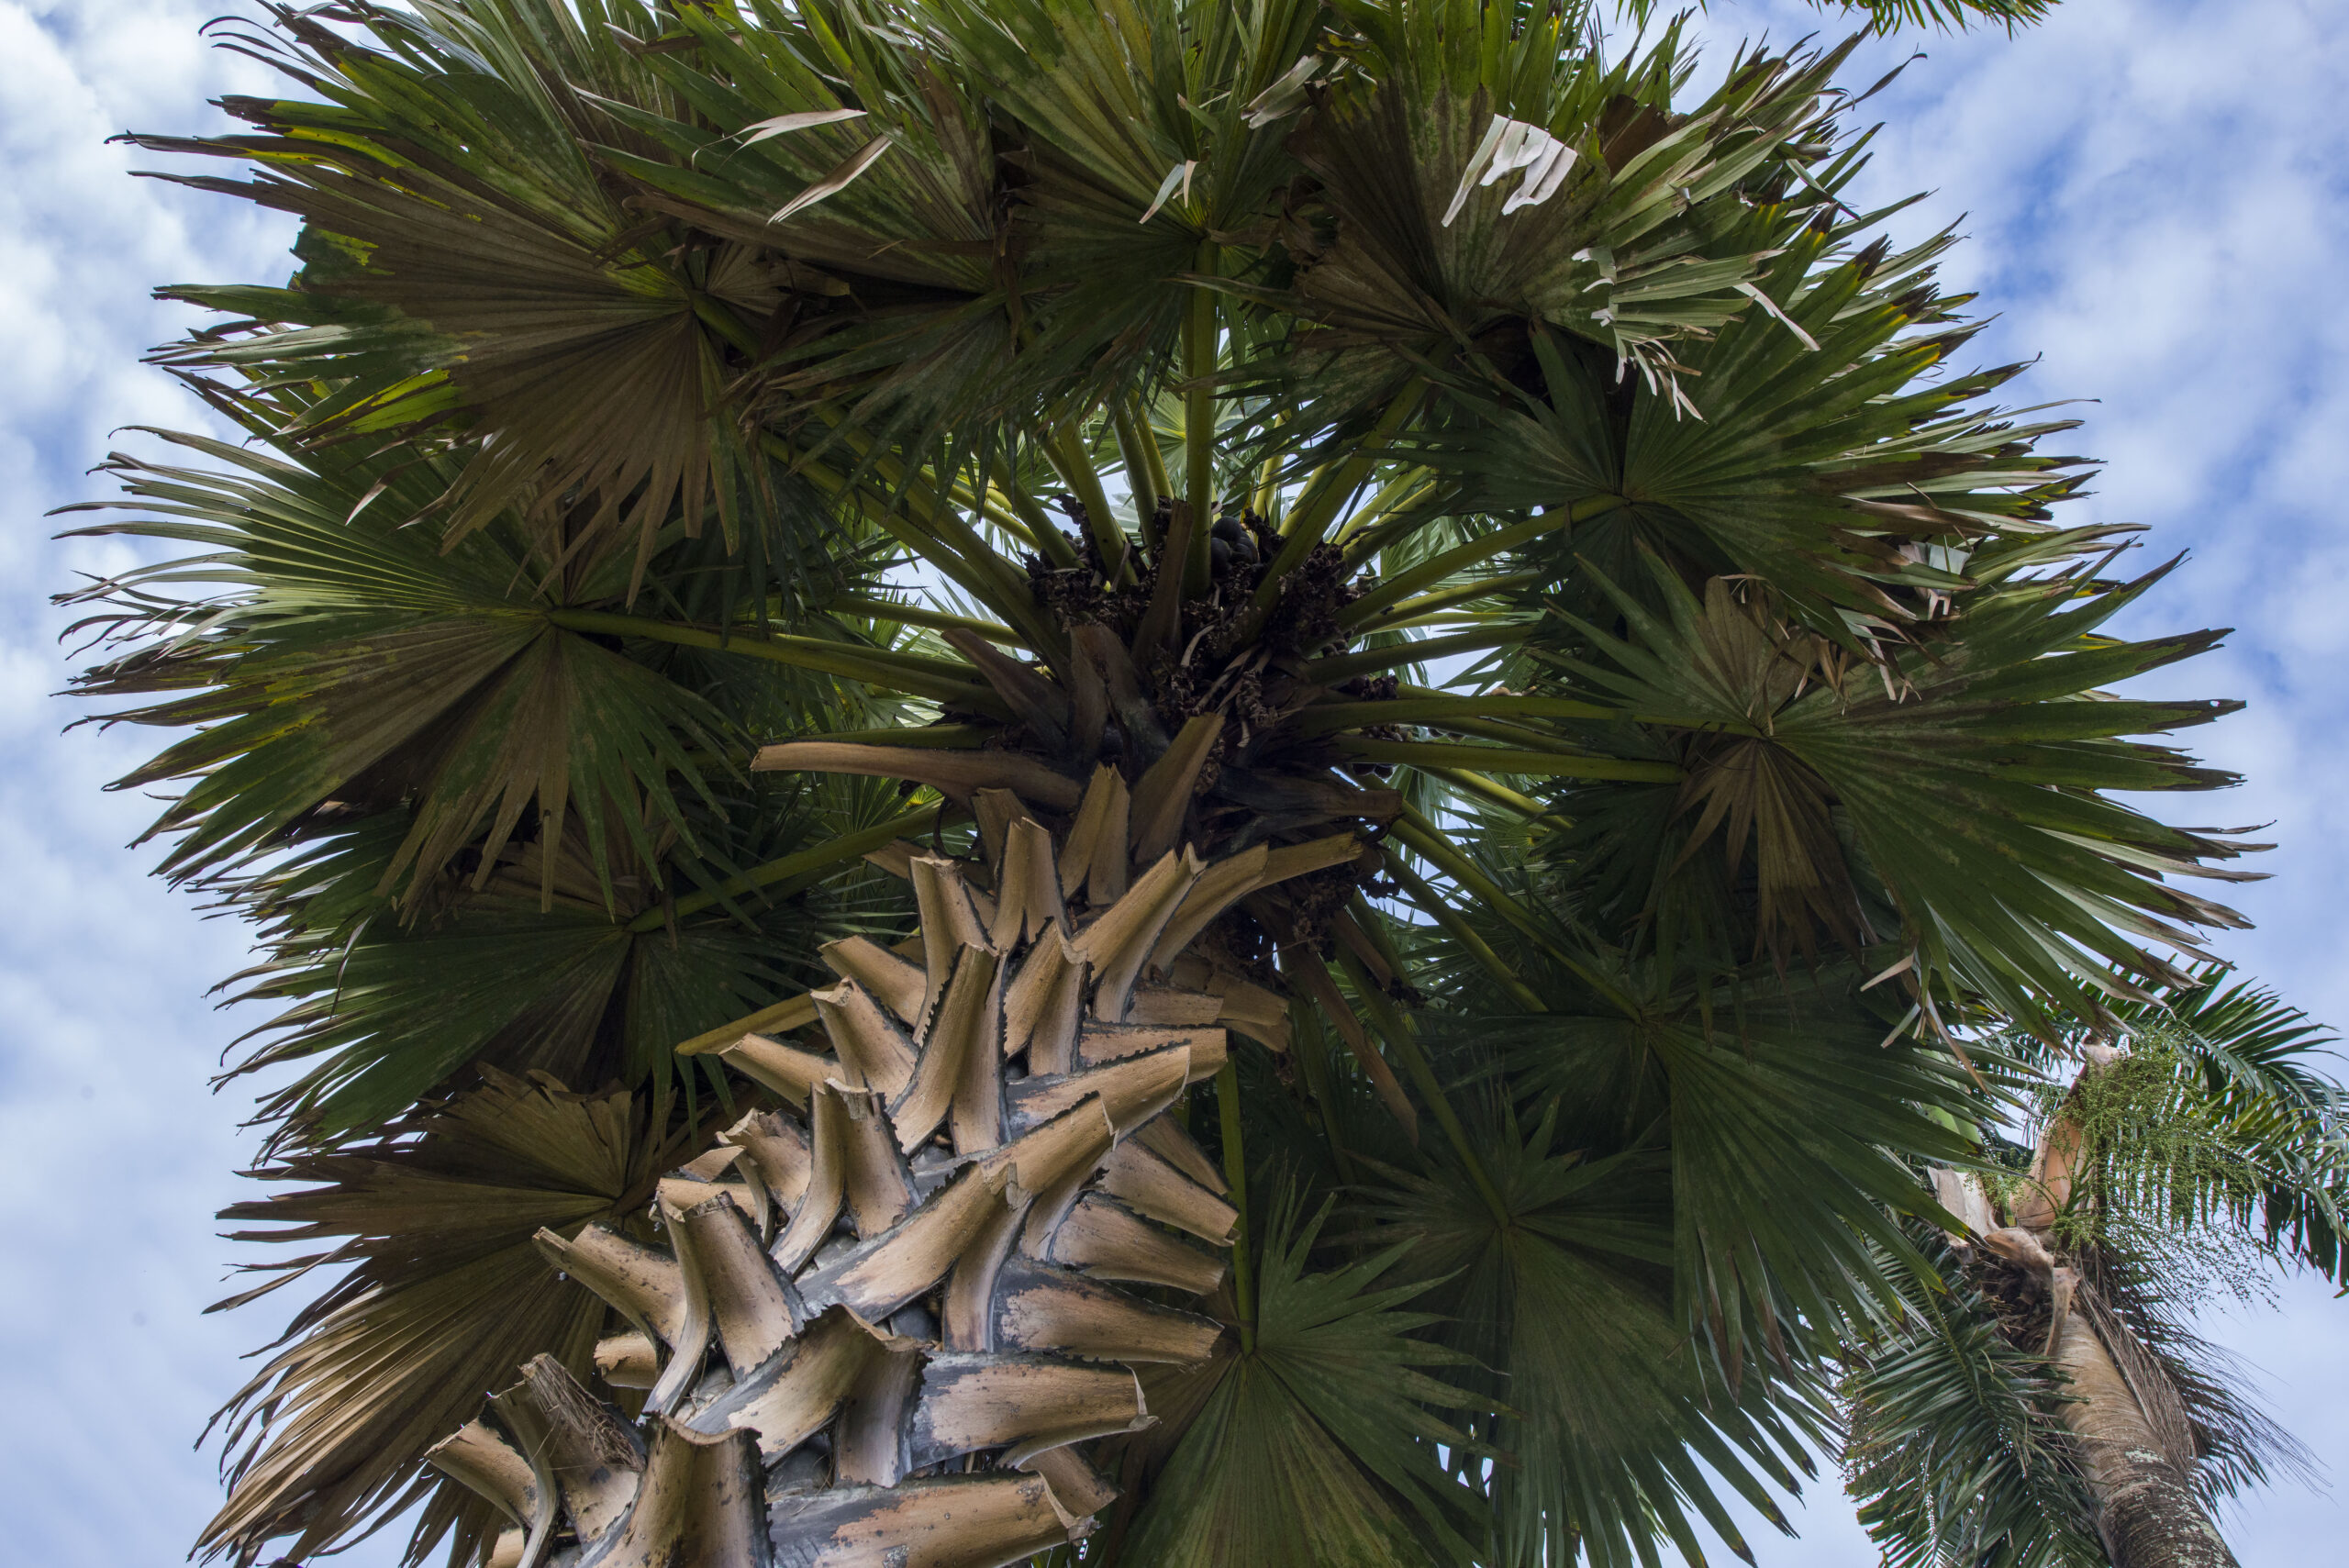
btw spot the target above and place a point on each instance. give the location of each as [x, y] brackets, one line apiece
[1564, 1298]
[2285, 1116]
[1776, 1102]
[381, 1012]
[1952, 14]
[1814, 443]
[1637, 232]
[1319, 1442]
[1952, 1446]
[1891, 14]
[836, 219]
[468, 790]
[2215, 1123]
[340, 662]
[466, 262]
[1965, 773]
[1752, 1122]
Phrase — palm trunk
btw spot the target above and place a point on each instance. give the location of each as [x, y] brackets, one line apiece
[887, 1326]
[2148, 1514]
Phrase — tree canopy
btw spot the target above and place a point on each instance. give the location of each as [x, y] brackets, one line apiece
[709, 448]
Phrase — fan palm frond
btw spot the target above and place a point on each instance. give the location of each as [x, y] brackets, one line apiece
[1324, 1427]
[1964, 784]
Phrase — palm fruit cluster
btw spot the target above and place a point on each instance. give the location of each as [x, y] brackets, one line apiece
[889, 1318]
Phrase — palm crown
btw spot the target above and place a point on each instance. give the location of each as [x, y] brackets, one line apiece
[1516, 528]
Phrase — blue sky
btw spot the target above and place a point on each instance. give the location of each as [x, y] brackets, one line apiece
[2156, 199]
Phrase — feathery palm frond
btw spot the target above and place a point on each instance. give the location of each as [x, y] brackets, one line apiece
[1891, 14]
[2229, 1126]
[1952, 1444]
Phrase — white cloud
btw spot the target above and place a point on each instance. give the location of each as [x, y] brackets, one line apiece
[114, 1155]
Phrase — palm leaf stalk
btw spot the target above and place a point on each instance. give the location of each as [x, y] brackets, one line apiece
[1484, 560]
[962, 1318]
[478, 1175]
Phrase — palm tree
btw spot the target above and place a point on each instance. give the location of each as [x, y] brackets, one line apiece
[2187, 1160]
[1349, 630]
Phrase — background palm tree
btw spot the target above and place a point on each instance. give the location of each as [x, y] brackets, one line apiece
[663, 381]
[2184, 1164]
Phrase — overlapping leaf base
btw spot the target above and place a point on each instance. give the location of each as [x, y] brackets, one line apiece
[883, 1328]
